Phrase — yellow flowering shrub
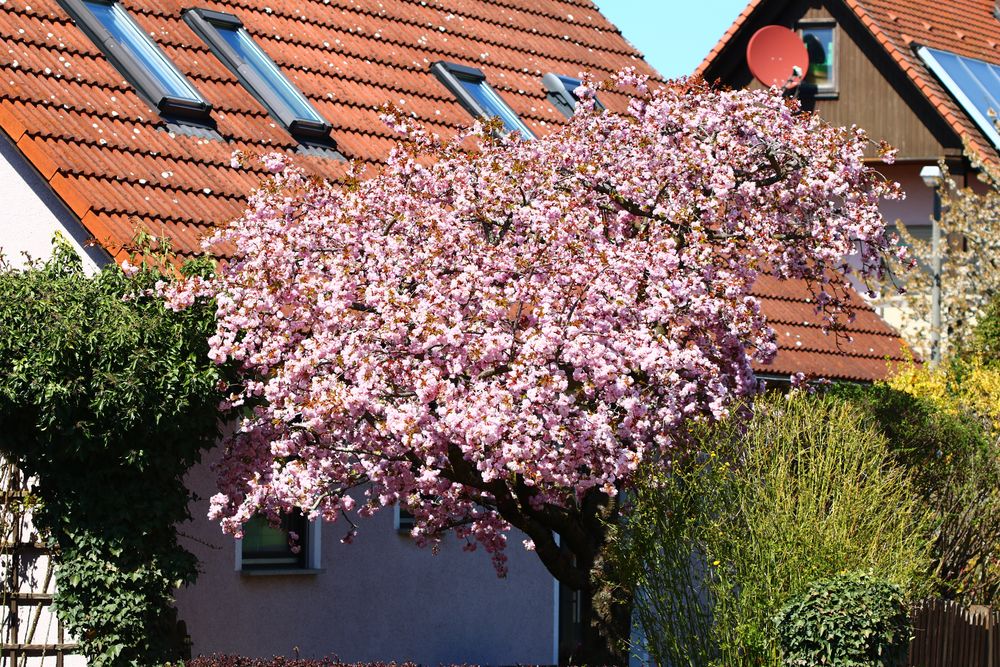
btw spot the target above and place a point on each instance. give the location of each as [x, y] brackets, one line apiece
[962, 387]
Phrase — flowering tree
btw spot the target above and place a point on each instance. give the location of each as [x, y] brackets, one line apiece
[498, 337]
[970, 268]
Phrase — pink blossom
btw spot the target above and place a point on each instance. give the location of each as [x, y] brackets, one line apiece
[464, 333]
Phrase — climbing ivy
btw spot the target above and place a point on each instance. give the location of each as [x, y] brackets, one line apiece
[108, 398]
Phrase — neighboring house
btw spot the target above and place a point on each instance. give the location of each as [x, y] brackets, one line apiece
[121, 115]
[923, 75]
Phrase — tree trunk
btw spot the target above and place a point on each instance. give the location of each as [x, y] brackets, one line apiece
[606, 615]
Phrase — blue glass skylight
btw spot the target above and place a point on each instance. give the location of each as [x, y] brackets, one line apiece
[236, 49]
[975, 85]
[247, 49]
[137, 57]
[560, 90]
[492, 105]
[131, 37]
[469, 85]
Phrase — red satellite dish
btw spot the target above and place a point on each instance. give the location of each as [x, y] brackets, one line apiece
[777, 56]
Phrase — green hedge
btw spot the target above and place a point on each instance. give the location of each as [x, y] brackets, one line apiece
[851, 620]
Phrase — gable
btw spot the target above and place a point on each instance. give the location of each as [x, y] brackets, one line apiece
[873, 92]
[890, 31]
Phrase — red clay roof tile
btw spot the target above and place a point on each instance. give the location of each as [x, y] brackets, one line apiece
[120, 168]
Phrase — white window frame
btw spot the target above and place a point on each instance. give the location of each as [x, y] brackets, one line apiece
[831, 89]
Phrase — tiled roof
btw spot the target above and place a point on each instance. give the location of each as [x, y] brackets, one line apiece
[965, 27]
[118, 166]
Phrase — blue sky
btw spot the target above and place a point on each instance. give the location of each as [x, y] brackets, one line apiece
[674, 35]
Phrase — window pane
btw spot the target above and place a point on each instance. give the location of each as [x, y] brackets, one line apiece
[241, 42]
[973, 83]
[267, 545]
[819, 45]
[131, 38]
[493, 105]
[982, 86]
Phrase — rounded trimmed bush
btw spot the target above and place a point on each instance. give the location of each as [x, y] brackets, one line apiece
[851, 620]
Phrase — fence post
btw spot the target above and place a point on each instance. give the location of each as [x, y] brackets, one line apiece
[990, 657]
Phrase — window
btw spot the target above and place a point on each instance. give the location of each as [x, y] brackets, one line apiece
[975, 85]
[137, 57]
[291, 545]
[560, 93]
[469, 85]
[232, 44]
[821, 44]
[403, 520]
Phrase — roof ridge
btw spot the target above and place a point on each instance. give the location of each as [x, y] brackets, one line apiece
[731, 31]
[534, 12]
[585, 4]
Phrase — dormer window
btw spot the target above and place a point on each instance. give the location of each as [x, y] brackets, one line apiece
[137, 57]
[820, 38]
[468, 84]
[559, 90]
[232, 44]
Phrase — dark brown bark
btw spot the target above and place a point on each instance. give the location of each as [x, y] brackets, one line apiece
[572, 543]
[607, 617]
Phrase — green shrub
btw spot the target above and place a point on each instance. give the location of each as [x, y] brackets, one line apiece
[953, 459]
[986, 335]
[106, 399]
[853, 620]
[805, 489]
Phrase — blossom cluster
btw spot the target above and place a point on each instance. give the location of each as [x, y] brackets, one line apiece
[543, 315]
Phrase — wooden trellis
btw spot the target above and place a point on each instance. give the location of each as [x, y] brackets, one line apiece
[30, 633]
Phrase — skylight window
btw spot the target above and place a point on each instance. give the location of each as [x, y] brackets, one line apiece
[232, 44]
[561, 93]
[975, 85]
[469, 85]
[137, 57]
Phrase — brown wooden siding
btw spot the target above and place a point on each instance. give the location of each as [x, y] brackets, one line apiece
[873, 92]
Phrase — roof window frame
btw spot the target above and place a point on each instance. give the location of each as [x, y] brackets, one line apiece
[208, 24]
[559, 91]
[148, 86]
[451, 74]
[930, 58]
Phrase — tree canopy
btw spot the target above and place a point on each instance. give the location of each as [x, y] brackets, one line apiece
[496, 332]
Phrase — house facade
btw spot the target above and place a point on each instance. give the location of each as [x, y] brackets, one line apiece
[120, 115]
[907, 71]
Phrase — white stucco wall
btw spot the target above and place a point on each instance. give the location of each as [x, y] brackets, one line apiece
[380, 598]
[32, 214]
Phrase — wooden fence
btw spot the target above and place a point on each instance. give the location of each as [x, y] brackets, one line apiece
[947, 634]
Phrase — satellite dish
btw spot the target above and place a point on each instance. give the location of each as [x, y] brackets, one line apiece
[777, 56]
